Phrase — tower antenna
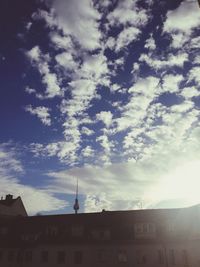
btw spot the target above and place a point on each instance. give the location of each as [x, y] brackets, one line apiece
[76, 204]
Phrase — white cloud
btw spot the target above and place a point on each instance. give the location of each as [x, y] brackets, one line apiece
[63, 42]
[194, 43]
[105, 143]
[143, 92]
[105, 117]
[146, 86]
[41, 112]
[67, 61]
[47, 16]
[34, 54]
[30, 90]
[8, 161]
[189, 92]
[88, 151]
[194, 75]
[94, 67]
[179, 22]
[83, 87]
[79, 19]
[197, 60]
[180, 19]
[150, 43]
[179, 39]
[134, 16]
[184, 107]
[64, 150]
[125, 37]
[103, 5]
[110, 42]
[171, 60]
[86, 131]
[132, 23]
[95, 203]
[83, 91]
[171, 83]
[49, 79]
[144, 181]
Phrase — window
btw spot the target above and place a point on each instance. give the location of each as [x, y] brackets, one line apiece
[20, 256]
[145, 230]
[29, 237]
[171, 227]
[172, 257]
[61, 257]
[138, 228]
[122, 255]
[105, 235]
[102, 255]
[77, 231]
[44, 256]
[160, 256]
[28, 256]
[144, 259]
[11, 256]
[51, 230]
[140, 258]
[78, 257]
[184, 257]
[101, 234]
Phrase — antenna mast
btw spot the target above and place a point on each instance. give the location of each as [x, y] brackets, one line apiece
[76, 204]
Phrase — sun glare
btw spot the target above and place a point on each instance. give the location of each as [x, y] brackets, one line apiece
[181, 183]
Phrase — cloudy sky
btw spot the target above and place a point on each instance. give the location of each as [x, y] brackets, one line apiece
[104, 91]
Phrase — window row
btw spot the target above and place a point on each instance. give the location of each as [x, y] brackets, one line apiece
[27, 256]
[139, 229]
[163, 256]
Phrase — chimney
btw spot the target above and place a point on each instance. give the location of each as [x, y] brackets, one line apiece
[9, 197]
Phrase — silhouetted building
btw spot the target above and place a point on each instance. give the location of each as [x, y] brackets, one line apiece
[12, 207]
[146, 238]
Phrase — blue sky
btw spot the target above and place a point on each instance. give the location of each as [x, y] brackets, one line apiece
[104, 91]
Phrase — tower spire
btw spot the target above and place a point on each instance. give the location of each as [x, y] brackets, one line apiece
[76, 204]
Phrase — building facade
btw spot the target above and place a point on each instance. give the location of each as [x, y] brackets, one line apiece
[149, 238]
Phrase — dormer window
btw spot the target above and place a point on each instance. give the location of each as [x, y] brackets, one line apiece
[144, 229]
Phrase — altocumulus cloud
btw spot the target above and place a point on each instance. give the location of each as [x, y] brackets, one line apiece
[126, 99]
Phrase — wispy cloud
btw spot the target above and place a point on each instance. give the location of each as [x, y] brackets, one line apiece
[11, 170]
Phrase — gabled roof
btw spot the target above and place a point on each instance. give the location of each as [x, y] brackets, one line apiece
[12, 206]
[8, 202]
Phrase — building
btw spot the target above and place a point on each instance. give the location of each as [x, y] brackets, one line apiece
[146, 238]
[12, 207]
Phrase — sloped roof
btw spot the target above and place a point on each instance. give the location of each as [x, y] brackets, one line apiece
[8, 202]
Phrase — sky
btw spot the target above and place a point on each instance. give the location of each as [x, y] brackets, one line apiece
[106, 92]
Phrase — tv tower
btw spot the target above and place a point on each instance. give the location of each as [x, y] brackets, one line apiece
[76, 204]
